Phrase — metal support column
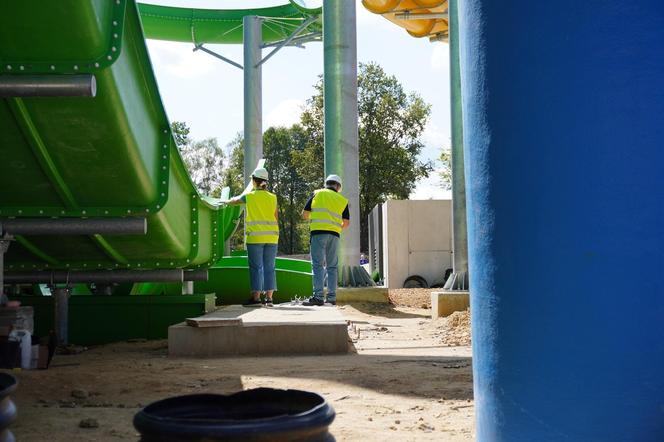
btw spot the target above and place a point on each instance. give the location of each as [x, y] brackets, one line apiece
[458, 280]
[341, 136]
[253, 108]
[61, 309]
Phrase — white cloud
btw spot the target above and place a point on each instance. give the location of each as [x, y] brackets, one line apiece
[440, 57]
[286, 113]
[179, 60]
[434, 136]
[430, 188]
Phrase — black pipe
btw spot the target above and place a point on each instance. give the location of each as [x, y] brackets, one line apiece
[195, 275]
[99, 277]
[74, 226]
[50, 85]
[260, 414]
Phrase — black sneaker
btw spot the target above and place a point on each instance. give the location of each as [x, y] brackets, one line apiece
[268, 303]
[331, 302]
[313, 301]
[251, 302]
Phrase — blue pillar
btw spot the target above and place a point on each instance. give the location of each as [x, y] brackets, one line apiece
[564, 145]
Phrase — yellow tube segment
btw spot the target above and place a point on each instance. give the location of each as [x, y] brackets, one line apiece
[380, 6]
[431, 3]
[417, 27]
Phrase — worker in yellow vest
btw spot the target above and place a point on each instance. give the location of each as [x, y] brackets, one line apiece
[261, 238]
[327, 212]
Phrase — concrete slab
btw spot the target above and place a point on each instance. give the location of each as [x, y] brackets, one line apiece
[283, 329]
[445, 303]
[362, 294]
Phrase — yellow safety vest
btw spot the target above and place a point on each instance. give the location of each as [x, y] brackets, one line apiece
[327, 208]
[261, 226]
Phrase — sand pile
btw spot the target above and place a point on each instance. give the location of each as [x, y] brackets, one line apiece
[418, 298]
[456, 329]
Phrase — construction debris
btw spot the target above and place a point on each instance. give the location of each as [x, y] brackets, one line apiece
[456, 329]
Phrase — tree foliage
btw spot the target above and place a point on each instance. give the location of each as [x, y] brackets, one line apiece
[234, 171]
[180, 131]
[234, 180]
[445, 171]
[204, 159]
[282, 149]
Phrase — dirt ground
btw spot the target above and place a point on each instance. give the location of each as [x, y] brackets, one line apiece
[398, 383]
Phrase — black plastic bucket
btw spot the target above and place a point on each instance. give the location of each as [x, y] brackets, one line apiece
[261, 414]
[8, 384]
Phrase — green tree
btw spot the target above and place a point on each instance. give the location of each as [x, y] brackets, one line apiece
[234, 172]
[234, 180]
[445, 171]
[281, 146]
[204, 159]
[391, 122]
[205, 162]
[180, 131]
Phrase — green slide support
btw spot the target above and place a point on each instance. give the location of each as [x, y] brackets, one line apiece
[102, 319]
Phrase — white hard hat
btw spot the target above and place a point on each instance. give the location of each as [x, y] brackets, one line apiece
[335, 178]
[260, 173]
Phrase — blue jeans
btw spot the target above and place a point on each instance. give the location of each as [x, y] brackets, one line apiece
[261, 266]
[324, 259]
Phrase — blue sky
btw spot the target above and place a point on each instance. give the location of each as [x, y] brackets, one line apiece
[207, 93]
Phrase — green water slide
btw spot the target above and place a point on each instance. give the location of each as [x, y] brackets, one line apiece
[112, 155]
[224, 26]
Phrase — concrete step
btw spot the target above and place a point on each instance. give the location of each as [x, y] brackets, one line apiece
[281, 330]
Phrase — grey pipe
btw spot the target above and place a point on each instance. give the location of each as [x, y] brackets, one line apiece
[48, 86]
[341, 135]
[458, 280]
[74, 226]
[100, 277]
[253, 94]
[61, 310]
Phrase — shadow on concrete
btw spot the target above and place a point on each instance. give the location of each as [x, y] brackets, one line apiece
[385, 310]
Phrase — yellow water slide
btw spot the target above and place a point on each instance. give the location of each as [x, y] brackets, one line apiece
[421, 18]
